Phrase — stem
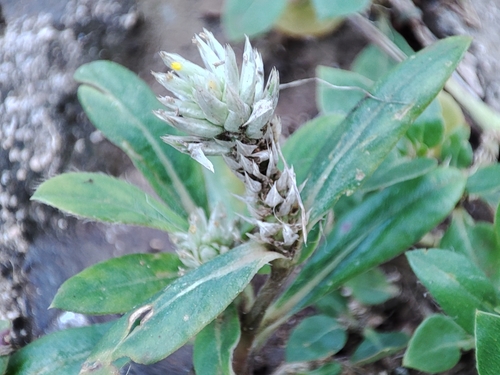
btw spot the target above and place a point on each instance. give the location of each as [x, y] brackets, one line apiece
[280, 270]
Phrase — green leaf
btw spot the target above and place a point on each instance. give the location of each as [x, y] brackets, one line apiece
[5, 329]
[391, 172]
[250, 17]
[372, 63]
[380, 228]
[340, 101]
[214, 345]
[316, 337]
[99, 197]
[338, 8]
[222, 188]
[485, 183]
[458, 285]
[377, 345]
[121, 106]
[371, 287]
[435, 346]
[60, 353]
[487, 345]
[428, 129]
[359, 145]
[303, 146]
[333, 304]
[477, 241]
[457, 149]
[181, 310]
[117, 285]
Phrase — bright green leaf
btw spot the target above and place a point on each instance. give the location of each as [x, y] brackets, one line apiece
[340, 100]
[380, 228]
[119, 284]
[428, 129]
[487, 345]
[371, 287]
[338, 8]
[457, 284]
[372, 63]
[378, 345]
[181, 310]
[99, 197]
[214, 345]
[121, 106]
[359, 145]
[316, 337]
[435, 346]
[477, 241]
[250, 17]
[60, 353]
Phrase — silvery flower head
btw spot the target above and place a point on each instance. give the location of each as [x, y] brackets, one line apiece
[217, 104]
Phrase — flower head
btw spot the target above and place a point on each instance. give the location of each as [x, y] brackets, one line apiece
[217, 101]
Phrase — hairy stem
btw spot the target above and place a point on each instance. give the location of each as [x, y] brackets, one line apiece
[280, 270]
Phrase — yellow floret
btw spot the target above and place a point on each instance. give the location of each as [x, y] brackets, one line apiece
[176, 65]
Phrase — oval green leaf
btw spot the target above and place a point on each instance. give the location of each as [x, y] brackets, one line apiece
[121, 106]
[338, 8]
[487, 344]
[315, 338]
[435, 346]
[103, 198]
[181, 310]
[378, 345]
[250, 17]
[356, 147]
[117, 285]
[60, 353]
[457, 284]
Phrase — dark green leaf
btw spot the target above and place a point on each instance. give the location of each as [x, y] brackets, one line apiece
[340, 101]
[338, 8]
[181, 310]
[356, 147]
[301, 149]
[371, 287]
[487, 344]
[477, 241]
[458, 285]
[381, 227]
[316, 337]
[60, 353]
[99, 197]
[214, 345]
[377, 345]
[118, 285]
[250, 17]
[121, 106]
[436, 344]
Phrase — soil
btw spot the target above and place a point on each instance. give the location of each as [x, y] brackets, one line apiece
[40, 248]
